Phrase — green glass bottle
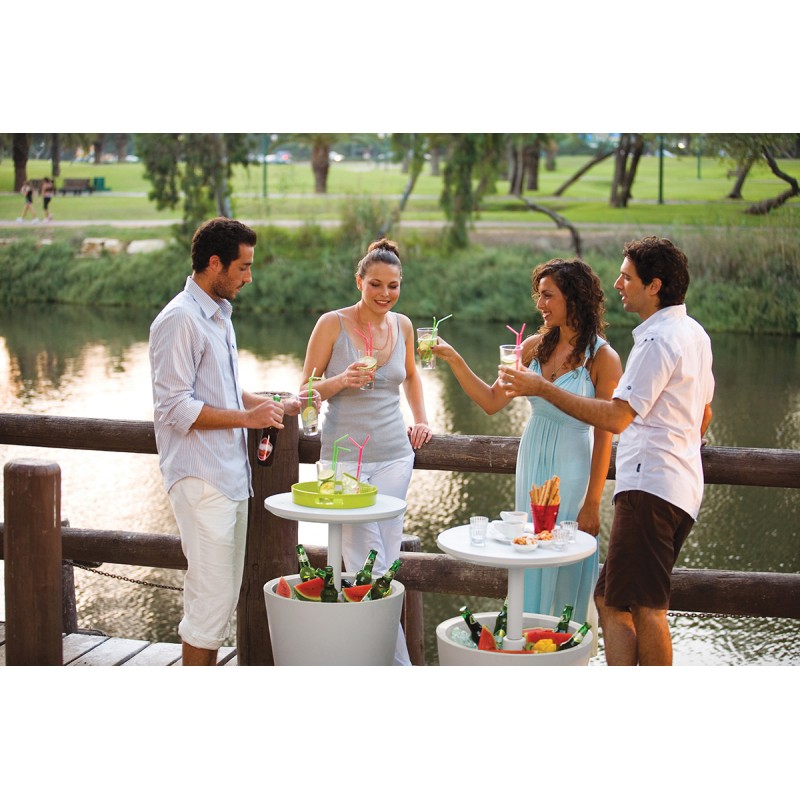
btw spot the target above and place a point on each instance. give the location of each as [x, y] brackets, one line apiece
[563, 623]
[307, 572]
[576, 637]
[473, 624]
[382, 586]
[501, 623]
[329, 593]
[364, 575]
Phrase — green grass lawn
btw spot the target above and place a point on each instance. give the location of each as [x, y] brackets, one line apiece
[693, 195]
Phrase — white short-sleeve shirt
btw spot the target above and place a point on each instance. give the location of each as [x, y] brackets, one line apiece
[668, 382]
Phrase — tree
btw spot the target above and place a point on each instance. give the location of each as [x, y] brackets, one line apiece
[416, 147]
[765, 206]
[628, 153]
[20, 145]
[320, 144]
[601, 156]
[471, 156]
[744, 150]
[195, 167]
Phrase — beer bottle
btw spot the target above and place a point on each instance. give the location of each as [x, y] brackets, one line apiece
[576, 637]
[563, 623]
[329, 593]
[382, 586]
[304, 567]
[364, 575]
[473, 624]
[268, 443]
[501, 623]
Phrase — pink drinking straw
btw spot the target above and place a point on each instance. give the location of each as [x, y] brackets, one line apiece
[360, 454]
[518, 349]
[367, 340]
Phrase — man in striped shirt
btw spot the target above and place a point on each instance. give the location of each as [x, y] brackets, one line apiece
[201, 415]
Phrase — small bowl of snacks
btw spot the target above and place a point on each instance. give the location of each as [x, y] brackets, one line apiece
[525, 544]
[544, 538]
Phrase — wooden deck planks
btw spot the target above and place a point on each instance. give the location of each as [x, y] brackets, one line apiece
[91, 650]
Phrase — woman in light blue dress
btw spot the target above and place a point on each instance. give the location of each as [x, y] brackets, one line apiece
[568, 350]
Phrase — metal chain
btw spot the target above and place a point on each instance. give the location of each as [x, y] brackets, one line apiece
[130, 580]
[704, 615]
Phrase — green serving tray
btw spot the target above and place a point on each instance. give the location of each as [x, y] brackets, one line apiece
[307, 494]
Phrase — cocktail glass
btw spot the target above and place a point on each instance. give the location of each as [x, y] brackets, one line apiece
[329, 481]
[369, 363]
[510, 355]
[425, 340]
[544, 517]
[309, 416]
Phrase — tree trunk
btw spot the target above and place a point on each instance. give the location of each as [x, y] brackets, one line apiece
[741, 175]
[630, 148]
[98, 149]
[20, 146]
[530, 161]
[436, 159]
[765, 206]
[122, 147]
[55, 155]
[221, 194]
[320, 163]
[561, 222]
[582, 171]
[516, 169]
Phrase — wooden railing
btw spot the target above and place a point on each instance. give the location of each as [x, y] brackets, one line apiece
[266, 557]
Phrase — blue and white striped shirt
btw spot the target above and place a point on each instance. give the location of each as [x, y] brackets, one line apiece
[194, 362]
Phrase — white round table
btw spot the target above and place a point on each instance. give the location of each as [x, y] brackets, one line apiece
[456, 542]
[385, 507]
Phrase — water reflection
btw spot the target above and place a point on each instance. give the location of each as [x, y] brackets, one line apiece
[93, 363]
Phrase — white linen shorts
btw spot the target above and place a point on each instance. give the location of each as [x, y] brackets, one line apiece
[213, 530]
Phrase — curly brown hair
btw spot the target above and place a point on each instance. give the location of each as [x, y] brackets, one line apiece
[585, 306]
[384, 251]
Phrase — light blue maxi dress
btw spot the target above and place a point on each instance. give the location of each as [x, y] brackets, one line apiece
[554, 443]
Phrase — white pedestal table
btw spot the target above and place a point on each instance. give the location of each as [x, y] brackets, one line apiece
[385, 507]
[456, 542]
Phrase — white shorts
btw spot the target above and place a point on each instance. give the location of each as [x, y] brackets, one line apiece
[213, 531]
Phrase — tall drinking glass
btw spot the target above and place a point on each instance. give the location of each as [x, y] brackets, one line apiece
[369, 363]
[426, 340]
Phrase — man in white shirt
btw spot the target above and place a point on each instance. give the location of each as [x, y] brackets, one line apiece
[661, 409]
[201, 415]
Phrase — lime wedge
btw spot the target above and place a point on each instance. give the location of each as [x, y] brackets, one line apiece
[309, 415]
[425, 343]
[349, 483]
[369, 362]
[326, 487]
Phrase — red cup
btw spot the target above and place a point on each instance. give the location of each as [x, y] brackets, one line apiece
[544, 517]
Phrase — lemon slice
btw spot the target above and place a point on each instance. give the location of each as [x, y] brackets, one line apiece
[369, 362]
[425, 343]
[349, 483]
[309, 415]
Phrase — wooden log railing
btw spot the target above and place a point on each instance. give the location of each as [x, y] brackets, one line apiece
[709, 591]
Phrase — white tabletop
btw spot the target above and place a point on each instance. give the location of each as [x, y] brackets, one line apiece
[455, 542]
[386, 507]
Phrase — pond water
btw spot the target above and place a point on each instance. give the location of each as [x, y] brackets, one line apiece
[93, 363]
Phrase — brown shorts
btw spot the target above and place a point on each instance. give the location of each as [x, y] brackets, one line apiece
[646, 537]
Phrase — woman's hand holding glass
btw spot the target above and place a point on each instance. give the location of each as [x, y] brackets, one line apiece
[519, 382]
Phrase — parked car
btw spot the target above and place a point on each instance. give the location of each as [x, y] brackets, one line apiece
[279, 157]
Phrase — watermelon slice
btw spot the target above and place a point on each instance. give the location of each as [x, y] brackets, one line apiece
[532, 635]
[354, 594]
[309, 590]
[486, 642]
[283, 589]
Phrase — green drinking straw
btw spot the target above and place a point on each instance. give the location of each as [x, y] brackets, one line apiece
[436, 326]
[311, 386]
[336, 450]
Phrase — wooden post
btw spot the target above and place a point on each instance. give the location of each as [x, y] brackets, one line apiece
[271, 545]
[32, 550]
[413, 618]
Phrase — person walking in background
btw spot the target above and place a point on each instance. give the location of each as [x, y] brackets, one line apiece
[661, 409]
[201, 417]
[47, 190]
[569, 351]
[388, 456]
[26, 190]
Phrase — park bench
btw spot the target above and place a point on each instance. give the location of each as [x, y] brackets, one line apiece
[76, 186]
